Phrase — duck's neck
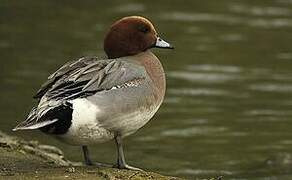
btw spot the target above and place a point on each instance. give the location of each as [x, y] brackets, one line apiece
[155, 71]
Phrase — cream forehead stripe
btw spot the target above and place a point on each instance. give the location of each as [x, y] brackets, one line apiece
[146, 21]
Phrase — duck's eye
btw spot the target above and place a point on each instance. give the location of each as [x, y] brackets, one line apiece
[144, 29]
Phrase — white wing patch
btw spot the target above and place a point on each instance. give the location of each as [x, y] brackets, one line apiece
[84, 112]
[85, 128]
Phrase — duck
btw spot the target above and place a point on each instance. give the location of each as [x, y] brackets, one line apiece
[93, 100]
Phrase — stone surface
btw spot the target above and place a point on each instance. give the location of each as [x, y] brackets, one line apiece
[21, 159]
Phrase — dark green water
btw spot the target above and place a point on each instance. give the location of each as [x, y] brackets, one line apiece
[228, 108]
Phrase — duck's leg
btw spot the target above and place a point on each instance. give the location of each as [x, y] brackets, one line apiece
[88, 160]
[86, 156]
[121, 162]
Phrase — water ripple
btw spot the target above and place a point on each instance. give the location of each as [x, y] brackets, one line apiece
[200, 17]
[231, 37]
[198, 92]
[271, 87]
[189, 132]
[259, 10]
[284, 55]
[266, 112]
[202, 77]
[259, 22]
[214, 68]
[270, 23]
[134, 7]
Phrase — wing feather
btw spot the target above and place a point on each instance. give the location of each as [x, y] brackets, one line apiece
[78, 79]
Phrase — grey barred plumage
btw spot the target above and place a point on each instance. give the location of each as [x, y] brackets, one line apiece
[79, 79]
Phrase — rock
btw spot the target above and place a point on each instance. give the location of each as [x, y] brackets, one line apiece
[21, 159]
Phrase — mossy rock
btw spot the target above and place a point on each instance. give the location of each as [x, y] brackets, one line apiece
[21, 159]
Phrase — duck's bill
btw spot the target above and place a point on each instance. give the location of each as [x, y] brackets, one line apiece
[160, 43]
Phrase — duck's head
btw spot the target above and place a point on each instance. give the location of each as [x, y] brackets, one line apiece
[132, 35]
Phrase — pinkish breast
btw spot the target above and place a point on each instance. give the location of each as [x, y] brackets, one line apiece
[155, 71]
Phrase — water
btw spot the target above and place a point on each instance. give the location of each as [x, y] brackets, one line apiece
[228, 105]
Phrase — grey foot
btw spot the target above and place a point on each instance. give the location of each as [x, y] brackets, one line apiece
[121, 162]
[97, 164]
[87, 159]
[126, 166]
[88, 162]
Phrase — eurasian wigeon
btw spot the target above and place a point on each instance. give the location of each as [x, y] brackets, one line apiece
[94, 100]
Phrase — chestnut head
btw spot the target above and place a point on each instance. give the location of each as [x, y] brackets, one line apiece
[132, 35]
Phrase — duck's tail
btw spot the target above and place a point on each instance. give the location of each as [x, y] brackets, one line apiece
[33, 121]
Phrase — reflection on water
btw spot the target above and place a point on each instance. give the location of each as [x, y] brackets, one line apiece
[228, 105]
